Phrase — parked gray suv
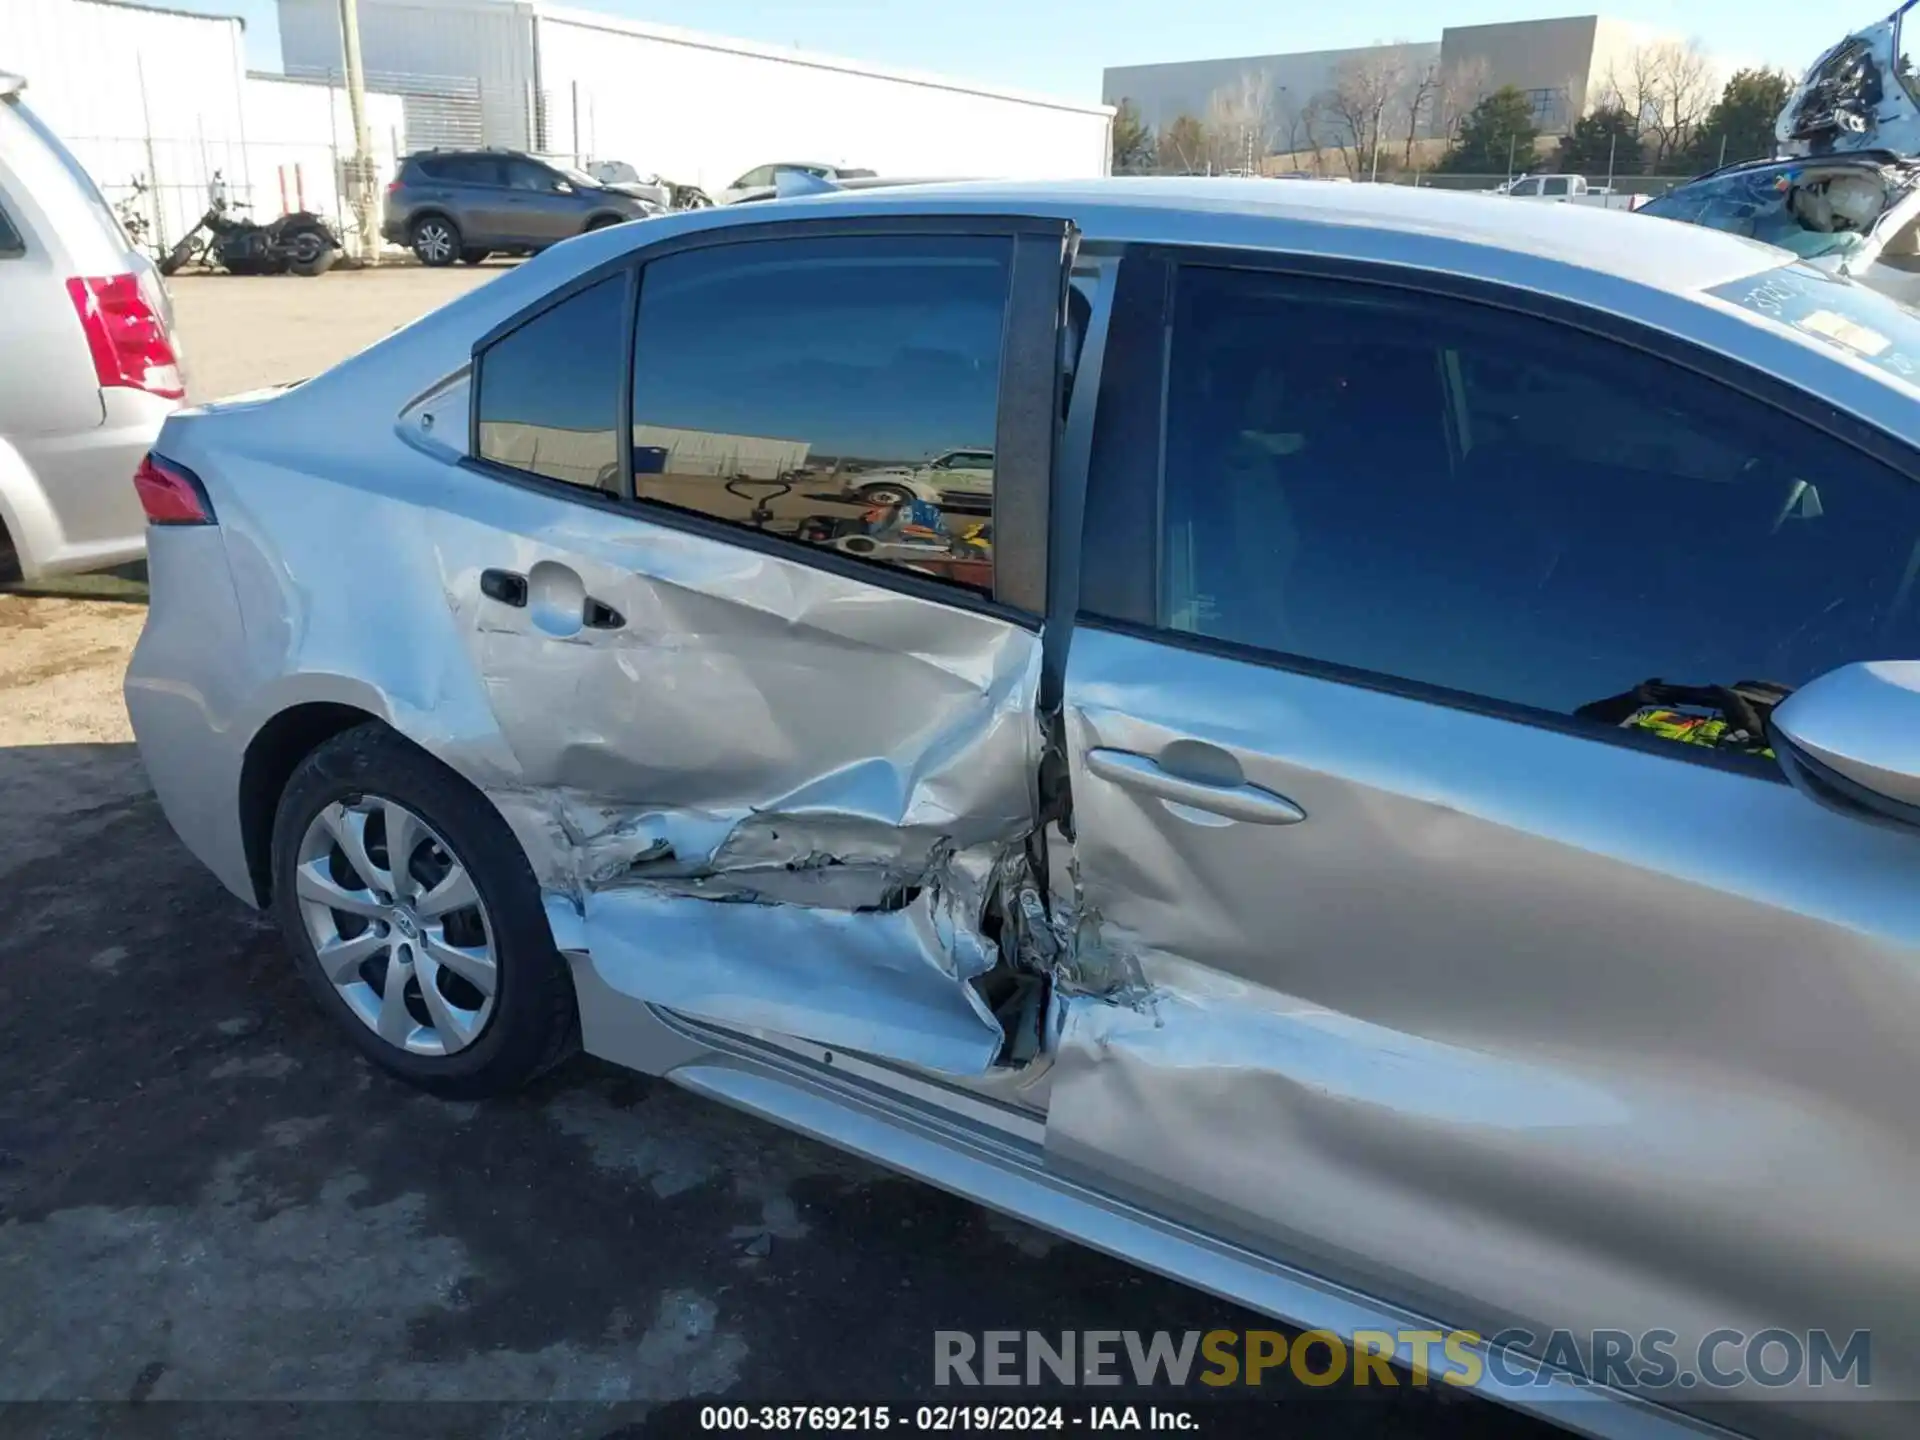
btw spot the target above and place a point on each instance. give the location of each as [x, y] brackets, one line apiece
[466, 205]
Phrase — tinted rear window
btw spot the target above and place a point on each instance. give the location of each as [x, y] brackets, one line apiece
[458, 169]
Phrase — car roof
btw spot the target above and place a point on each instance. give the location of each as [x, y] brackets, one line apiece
[477, 152]
[1272, 212]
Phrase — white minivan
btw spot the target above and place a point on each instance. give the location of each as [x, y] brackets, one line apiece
[89, 368]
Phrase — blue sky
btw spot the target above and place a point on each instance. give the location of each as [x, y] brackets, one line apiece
[1060, 46]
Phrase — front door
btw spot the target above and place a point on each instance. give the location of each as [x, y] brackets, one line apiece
[772, 749]
[539, 212]
[1461, 945]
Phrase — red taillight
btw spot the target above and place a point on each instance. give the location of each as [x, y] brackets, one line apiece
[128, 338]
[393, 186]
[171, 494]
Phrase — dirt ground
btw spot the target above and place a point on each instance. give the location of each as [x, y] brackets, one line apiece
[207, 1197]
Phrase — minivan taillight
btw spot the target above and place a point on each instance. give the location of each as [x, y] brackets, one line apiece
[171, 494]
[128, 338]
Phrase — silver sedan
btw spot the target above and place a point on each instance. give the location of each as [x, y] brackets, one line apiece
[1402, 814]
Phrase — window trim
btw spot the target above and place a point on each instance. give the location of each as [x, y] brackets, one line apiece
[1143, 304]
[1020, 560]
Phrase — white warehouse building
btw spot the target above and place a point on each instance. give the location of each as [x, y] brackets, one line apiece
[698, 109]
[156, 102]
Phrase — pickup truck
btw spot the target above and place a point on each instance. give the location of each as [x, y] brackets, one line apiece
[1567, 189]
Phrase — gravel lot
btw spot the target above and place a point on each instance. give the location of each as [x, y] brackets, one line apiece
[206, 1196]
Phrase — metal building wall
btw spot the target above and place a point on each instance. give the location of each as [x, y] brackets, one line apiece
[1292, 84]
[136, 93]
[298, 132]
[436, 42]
[703, 110]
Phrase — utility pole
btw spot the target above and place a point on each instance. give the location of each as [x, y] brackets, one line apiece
[360, 174]
[1613, 152]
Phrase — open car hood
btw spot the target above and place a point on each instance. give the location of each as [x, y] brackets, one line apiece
[1817, 207]
[1860, 95]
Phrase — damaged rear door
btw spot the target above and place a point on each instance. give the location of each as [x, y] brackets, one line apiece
[771, 745]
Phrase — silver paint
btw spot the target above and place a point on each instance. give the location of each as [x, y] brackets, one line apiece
[1860, 721]
[1516, 1027]
[1499, 1026]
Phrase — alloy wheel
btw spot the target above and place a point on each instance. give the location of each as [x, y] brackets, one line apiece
[433, 242]
[397, 926]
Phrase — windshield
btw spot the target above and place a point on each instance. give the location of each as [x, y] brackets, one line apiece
[1852, 319]
[574, 176]
[1810, 207]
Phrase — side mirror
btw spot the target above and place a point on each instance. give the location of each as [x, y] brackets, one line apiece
[1852, 737]
[562, 187]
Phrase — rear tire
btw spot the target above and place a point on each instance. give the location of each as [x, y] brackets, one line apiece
[435, 240]
[471, 256]
[601, 222]
[310, 253]
[530, 1021]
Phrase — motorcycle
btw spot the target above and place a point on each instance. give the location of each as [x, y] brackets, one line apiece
[300, 243]
[131, 211]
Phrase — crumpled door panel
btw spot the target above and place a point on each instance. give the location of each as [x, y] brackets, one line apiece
[768, 781]
[875, 982]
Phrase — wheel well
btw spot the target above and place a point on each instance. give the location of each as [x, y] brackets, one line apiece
[283, 742]
[604, 219]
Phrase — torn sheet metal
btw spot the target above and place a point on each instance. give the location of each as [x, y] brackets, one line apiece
[1859, 95]
[873, 982]
[777, 730]
[772, 796]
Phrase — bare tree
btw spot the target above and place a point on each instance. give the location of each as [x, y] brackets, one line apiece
[1461, 87]
[1669, 89]
[1291, 122]
[1239, 123]
[1181, 147]
[1419, 96]
[1313, 126]
[1572, 94]
[1365, 85]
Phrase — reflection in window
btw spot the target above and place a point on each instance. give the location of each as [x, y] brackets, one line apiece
[838, 392]
[550, 391]
[1426, 489]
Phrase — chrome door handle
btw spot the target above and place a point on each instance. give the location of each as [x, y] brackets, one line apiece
[1247, 802]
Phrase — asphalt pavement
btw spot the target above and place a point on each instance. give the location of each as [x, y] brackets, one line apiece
[216, 1219]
